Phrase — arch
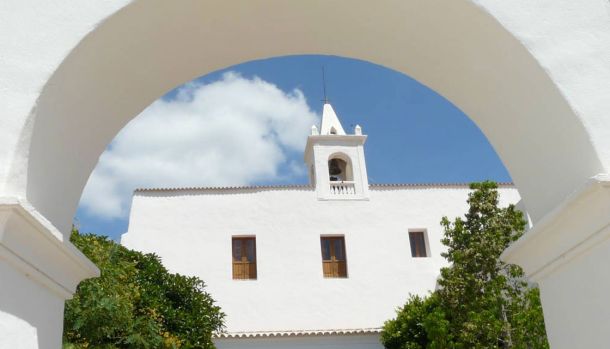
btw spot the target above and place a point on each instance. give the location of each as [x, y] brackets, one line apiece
[343, 163]
[455, 48]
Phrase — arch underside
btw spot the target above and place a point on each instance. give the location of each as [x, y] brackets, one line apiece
[453, 47]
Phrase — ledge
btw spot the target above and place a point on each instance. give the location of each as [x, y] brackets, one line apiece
[32, 245]
[344, 198]
[299, 333]
[577, 225]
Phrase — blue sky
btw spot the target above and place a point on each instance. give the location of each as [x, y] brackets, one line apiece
[415, 135]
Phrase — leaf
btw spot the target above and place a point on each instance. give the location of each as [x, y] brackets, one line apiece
[481, 301]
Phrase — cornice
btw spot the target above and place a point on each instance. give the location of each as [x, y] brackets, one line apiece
[32, 245]
[299, 333]
[309, 187]
[572, 229]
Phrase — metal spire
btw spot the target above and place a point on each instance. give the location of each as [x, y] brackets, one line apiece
[325, 100]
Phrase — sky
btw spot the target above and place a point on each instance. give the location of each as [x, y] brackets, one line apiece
[248, 124]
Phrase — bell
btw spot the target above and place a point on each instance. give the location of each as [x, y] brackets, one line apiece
[333, 168]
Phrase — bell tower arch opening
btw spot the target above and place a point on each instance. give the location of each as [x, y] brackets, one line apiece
[340, 170]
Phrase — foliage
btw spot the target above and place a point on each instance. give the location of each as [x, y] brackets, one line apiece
[137, 303]
[413, 322]
[481, 301]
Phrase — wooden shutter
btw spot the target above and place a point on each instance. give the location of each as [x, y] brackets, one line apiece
[244, 258]
[334, 263]
[418, 244]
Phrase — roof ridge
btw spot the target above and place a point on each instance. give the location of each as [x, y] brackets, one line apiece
[290, 333]
[227, 187]
[303, 186]
[433, 184]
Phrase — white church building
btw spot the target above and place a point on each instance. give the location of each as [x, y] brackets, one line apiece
[305, 266]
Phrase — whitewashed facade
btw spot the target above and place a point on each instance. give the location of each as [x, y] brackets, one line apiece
[290, 302]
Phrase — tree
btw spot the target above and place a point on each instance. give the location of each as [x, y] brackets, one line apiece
[481, 302]
[418, 323]
[137, 303]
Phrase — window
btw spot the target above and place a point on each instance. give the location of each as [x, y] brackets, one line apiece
[418, 244]
[333, 257]
[244, 258]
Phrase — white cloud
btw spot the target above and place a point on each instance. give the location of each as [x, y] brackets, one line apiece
[233, 131]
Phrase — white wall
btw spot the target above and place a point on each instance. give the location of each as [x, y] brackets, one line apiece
[38, 271]
[567, 255]
[191, 231]
[335, 342]
[584, 299]
[31, 316]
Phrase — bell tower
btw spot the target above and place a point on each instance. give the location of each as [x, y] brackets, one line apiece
[336, 160]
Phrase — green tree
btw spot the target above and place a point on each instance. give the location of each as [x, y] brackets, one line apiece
[418, 324]
[481, 302]
[137, 303]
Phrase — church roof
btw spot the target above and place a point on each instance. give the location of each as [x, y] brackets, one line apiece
[432, 185]
[295, 333]
[309, 187]
[330, 121]
[245, 187]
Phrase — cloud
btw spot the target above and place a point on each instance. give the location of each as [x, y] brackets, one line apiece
[233, 131]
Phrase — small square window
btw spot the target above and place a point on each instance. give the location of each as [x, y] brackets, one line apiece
[334, 264]
[244, 258]
[418, 244]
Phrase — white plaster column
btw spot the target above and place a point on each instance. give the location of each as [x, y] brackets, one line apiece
[568, 254]
[39, 270]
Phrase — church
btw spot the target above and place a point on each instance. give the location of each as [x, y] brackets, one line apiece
[305, 266]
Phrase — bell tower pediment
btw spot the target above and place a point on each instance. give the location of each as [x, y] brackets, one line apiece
[330, 122]
[336, 160]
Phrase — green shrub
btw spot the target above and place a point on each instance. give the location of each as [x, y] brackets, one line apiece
[137, 303]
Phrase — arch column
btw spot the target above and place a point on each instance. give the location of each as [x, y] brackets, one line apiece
[567, 253]
[39, 271]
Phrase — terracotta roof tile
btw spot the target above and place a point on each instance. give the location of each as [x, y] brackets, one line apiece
[295, 333]
[307, 186]
[246, 187]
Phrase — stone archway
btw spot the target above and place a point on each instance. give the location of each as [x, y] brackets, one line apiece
[488, 58]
